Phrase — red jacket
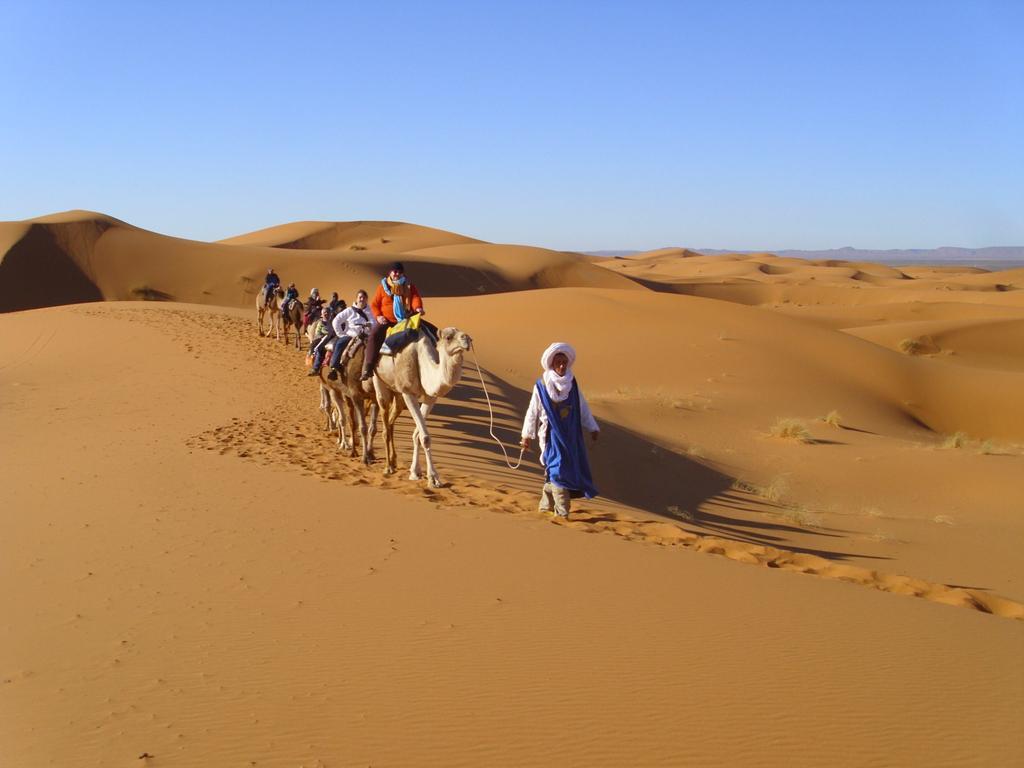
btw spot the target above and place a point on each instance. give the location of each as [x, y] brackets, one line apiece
[384, 305]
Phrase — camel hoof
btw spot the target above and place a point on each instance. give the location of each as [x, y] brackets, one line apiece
[415, 476]
[389, 470]
[435, 482]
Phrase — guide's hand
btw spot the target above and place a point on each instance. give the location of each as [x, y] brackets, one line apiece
[525, 444]
[593, 436]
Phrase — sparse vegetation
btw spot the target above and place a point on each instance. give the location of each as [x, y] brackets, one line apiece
[357, 247]
[802, 516]
[833, 419]
[791, 429]
[773, 492]
[988, 448]
[958, 440]
[912, 347]
[943, 519]
[873, 512]
[695, 451]
[882, 536]
[146, 293]
[682, 514]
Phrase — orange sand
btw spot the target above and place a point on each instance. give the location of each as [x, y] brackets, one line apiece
[193, 571]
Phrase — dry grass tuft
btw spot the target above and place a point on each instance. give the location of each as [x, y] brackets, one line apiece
[802, 516]
[774, 492]
[912, 347]
[147, 293]
[791, 429]
[943, 519]
[695, 451]
[833, 419]
[958, 440]
[680, 513]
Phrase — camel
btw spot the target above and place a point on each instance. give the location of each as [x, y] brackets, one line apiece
[293, 317]
[263, 306]
[420, 373]
[356, 400]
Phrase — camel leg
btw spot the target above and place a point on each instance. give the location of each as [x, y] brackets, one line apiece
[417, 438]
[371, 430]
[418, 412]
[390, 407]
[325, 406]
[360, 414]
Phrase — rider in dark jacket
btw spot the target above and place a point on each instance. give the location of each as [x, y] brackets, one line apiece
[271, 282]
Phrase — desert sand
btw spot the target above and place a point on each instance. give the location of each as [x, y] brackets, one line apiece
[805, 551]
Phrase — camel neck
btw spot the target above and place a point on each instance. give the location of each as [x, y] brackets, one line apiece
[440, 370]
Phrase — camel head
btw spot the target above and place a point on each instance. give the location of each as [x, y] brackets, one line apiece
[454, 341]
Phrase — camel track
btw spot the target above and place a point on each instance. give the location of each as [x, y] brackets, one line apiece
[305, 448]
[289, 433]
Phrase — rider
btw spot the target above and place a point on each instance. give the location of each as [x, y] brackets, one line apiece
[335, 304]
[396, 299]
[351, 323]
[270, 283]
[313, 306]
[290, 295]
[321, 332]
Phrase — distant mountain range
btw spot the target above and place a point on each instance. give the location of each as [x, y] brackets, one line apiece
[896, 255]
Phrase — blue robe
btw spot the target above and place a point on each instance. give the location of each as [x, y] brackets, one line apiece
[565, 455]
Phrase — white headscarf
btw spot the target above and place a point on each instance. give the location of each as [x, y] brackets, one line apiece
[558, 387]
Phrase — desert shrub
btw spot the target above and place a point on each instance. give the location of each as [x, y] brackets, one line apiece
[802, 516]
[833, 419]
[912, 347]
[773, 492]
[958, 440]
[791, 429]
[146, 293]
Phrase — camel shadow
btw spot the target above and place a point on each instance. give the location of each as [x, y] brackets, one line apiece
[652, 478]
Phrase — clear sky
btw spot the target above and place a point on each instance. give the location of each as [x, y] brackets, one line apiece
[589, 125]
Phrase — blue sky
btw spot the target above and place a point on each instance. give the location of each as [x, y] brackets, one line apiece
[571, 125]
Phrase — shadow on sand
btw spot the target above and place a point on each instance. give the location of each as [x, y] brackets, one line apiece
[627, 467]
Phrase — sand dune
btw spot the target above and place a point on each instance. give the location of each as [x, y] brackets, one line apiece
[203, 578]
[81, 256]
[350, 236]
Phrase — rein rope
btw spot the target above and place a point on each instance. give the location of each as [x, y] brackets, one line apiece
[490, 410]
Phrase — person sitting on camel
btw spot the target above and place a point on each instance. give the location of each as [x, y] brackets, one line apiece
[352, 323]
[319, 336]
[313, 306]
[396, 299]
[336, 305]
[270, 284]
[558, 407]
[289, 296]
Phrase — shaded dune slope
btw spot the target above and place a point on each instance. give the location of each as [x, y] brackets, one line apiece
[81, 256]
[777, 355]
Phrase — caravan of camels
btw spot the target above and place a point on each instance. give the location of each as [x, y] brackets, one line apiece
[414, 377]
